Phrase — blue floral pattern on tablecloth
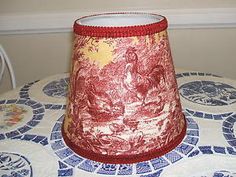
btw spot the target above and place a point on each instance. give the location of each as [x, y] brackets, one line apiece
[68, 157]
[224, 173]
[14, 165]
[57, 88]
[208, 93]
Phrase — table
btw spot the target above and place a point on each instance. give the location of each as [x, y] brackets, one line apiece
[31, 143]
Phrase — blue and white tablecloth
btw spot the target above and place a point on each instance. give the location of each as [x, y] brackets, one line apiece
[31, 144]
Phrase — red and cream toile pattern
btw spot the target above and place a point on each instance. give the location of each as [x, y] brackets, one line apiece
[123, 97]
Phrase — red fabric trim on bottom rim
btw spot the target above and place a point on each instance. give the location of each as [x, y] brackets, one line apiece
[125, 159]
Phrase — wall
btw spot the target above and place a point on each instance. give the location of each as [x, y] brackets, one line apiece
[34, 6]
[37, 54]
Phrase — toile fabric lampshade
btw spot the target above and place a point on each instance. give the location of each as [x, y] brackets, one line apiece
[123, 105]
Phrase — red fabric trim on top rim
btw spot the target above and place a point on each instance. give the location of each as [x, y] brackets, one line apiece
[125, 159]
[120, 31]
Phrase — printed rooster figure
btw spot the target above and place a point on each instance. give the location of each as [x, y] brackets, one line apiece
[139, 82]
[101, 106]
[131, 70]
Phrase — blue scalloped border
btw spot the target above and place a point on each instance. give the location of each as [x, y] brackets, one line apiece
[228, 130]
[24, 94]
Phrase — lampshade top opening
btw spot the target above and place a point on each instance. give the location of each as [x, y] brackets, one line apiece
[120, 24]
[120, 20]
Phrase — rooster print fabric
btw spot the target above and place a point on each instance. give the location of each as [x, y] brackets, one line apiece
[123, 97]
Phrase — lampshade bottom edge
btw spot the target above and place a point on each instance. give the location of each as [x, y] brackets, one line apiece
[125, 159]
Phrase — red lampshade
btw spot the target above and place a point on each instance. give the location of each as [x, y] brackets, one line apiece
[124, 104]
